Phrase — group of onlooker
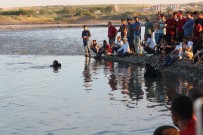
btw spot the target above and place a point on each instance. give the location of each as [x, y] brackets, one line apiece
[177, 35]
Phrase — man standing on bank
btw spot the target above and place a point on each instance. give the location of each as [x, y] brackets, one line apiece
[86, 36]
[112, 33]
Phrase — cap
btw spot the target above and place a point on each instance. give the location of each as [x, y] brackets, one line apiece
[178, 15]
[199, 27]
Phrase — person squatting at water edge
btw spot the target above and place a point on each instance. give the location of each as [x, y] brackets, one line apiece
[118, 44]
[94, 46]
[124, 50]
[172, 35]
[105, 49]
[86, 36]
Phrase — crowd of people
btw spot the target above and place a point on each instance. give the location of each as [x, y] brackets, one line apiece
[174, 35]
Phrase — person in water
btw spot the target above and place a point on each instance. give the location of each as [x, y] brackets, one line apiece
[56, 64]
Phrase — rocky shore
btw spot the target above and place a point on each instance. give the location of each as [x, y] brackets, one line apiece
[181, 68]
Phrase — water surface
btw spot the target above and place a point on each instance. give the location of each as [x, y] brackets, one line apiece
[85, 96]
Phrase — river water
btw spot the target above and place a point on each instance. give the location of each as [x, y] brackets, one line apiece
[85, 96]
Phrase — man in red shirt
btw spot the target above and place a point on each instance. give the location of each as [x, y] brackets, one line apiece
[170, 29]
[179, 30]
[182, 115]
[112, 33]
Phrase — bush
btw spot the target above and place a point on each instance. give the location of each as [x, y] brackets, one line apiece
[17, 12]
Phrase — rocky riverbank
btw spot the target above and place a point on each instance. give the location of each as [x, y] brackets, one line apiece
[181, 68]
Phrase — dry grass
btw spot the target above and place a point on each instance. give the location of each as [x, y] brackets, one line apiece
[24, 20]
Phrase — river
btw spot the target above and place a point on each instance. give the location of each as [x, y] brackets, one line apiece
[85, 96]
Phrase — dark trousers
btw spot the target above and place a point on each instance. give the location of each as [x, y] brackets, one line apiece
[121, 54]
[180, 36]
[149, 50]
[115, 48]
[131, 43]
[112, 41]
[86, 46]
[170, 39]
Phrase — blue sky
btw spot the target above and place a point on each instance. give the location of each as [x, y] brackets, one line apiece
[22, 3]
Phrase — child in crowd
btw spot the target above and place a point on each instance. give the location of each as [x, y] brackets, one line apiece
[118, 44]
[187, 48]
[175, 55]
[124, 50]
[161, 46]
[165, 47]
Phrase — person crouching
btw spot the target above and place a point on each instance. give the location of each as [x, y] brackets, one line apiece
[149, 47]
[124, 50]
[105, 49]
[94, 46]
[118, 44]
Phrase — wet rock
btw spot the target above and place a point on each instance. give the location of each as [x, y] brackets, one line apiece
[182, 68]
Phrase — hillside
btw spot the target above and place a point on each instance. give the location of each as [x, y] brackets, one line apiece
[68, 14]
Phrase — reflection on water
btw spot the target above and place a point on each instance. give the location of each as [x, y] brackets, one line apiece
[85, 96]
[87, 74]
[130, 82]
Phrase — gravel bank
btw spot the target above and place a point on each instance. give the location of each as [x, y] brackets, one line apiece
[182, 68]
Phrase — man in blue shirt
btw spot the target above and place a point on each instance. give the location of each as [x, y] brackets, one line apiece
[188, 26]
[137, 35]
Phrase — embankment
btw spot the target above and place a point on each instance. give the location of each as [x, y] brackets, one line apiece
[181, 68]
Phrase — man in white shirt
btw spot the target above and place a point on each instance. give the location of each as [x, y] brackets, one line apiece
[117, 44]
[150, 45]
[124, 50]
[187, 48]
